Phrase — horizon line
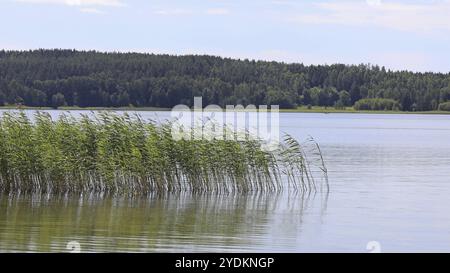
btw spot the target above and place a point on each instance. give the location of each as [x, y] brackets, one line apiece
[107, 51]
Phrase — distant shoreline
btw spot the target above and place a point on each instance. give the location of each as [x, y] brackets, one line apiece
[351, 110]
[302, 109]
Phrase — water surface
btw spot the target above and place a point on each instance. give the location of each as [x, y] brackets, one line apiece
[389, 178]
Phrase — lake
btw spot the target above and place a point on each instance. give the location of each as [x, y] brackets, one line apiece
[389, 179]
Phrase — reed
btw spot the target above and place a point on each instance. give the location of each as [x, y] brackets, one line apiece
[123, 154]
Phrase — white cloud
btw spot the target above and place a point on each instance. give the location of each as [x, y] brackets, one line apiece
[217, 11]
[181, 12]
[281, 2]
[92, 10]
[173, 12]
[110, 3]
[373, 2]
[394, 15]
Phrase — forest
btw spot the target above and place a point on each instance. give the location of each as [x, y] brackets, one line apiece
[55, 78]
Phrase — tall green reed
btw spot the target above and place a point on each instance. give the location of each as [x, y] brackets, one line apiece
[123, 154]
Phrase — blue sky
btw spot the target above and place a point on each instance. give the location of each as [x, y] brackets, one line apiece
[413, 35]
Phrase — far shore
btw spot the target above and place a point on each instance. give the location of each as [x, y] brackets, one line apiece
[351, 110]
[301, 109]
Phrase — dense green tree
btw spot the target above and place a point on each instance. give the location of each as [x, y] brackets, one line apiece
[328, 96]
[89, 79]
[313, 95]
[58, 100]
[278, 97]
[445, 106]
[377, 104]
[2, 98]
[445, 94]
[345, 98]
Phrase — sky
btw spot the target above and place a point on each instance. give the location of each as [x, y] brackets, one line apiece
[398, 34]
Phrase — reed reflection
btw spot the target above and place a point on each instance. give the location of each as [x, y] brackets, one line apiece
[181, 222]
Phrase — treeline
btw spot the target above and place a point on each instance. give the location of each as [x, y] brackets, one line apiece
[94, 79]
[377, 104]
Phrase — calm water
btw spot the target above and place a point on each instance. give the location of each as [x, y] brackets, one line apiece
[390, 183]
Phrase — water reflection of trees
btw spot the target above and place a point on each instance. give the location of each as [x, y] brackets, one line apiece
[182, 222]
